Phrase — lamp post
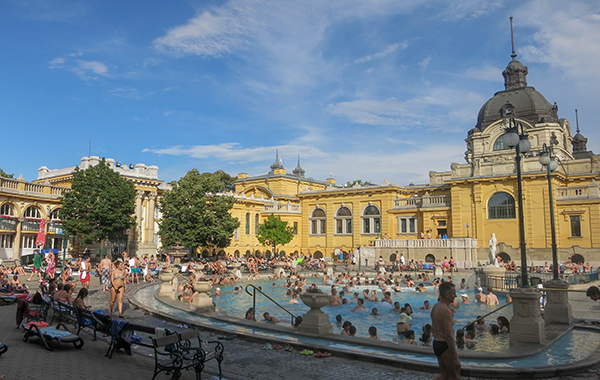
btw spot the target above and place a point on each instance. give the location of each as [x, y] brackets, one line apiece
[547, 160]
[515, 137]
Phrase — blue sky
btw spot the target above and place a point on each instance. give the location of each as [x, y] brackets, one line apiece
[368, 90]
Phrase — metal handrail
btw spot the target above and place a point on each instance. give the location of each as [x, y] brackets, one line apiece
[253, 294]
[490, 313]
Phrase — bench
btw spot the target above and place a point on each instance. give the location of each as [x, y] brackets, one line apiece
[121, 333]
[82, 318]
[51, 337]
[177, 352]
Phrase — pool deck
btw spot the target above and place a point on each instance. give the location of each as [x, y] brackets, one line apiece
[244, 358]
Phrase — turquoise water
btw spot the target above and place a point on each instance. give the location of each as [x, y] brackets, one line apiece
[385, 322]
[575, 345]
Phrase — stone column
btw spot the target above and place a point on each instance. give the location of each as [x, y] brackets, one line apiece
[151, 205]
[139, 196]
[17, 242]
[558, 309]
[527, 325]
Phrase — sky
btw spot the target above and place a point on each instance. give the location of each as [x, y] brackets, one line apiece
[359, 89]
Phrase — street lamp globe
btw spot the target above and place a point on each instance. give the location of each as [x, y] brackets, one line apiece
[545, 158]
[524, 144]
[511, 139]
[553, 165]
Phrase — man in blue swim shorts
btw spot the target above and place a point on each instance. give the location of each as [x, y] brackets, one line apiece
[442, 323]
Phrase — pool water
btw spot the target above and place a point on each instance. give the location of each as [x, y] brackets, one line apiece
[573, 346]
[237, 304]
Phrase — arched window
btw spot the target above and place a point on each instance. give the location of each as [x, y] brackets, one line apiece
[33, 212]
[7, 210]
[501, 206]
[343, 221]
[55, 215]
[500, 144]
[371, 220]
[430, 258]
[248, 223]
[317, 222]
[256, 224]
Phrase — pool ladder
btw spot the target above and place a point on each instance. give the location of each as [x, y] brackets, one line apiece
[253, 294]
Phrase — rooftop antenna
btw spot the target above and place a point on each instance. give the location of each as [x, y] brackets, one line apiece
[330, 172]
[512, 39]
[90, 149]
[577, 120]
[298, 160]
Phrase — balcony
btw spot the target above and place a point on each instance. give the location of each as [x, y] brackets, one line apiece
[281, 208]
[426, 201]
[577, 193]
[426, 243]
[21, 187]
[9, 224]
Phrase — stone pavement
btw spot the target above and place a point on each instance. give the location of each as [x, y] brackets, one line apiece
[243, 359]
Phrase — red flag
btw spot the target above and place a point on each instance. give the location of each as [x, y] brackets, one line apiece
[41, 236]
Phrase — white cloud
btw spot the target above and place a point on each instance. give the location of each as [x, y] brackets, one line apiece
[565, 39]
[392, 48]
[430, 110]
[94, 66]
[56, 63]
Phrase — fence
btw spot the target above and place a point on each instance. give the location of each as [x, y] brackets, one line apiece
[513, 280]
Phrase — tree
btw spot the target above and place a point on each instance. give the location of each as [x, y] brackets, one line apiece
[274, 232]
[194, 215]
[5, 174]
[360, 182]
[100, 205]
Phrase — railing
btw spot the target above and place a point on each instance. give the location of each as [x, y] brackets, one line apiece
[30, 225]
[423, 202]
[253, 294]
[578, 192]
[13, 184]
[34, 187]
[55, 228]
[282, 208]
[8, 224]
[9, 183]
[426, 243]
[513, 279]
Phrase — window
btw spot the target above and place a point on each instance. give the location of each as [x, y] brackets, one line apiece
[576, 226]
[256, 224]
[33, 213]
[28, 241]
[371, 220]
[7, 210]
[247, 223]
[295, 228]
[343, 221]
[55, 214]
[407, 225]
[317, 222]
[500, 144]
[236, 235]
[7, 240]
[501, 206]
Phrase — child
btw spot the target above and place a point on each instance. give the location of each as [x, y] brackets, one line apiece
[460, 338]
[470, 339]
[373, 333]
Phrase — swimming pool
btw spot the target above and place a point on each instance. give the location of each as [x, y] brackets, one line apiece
[573, 346]
[237, 304]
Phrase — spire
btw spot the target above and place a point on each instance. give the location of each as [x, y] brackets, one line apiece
[515, 75]
[577, 120]
[299, 172]
[277, 164]
[512, 40]
[580, 143]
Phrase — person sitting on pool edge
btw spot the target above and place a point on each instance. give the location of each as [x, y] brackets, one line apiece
[403, 324]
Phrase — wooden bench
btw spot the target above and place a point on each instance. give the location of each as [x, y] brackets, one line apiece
[82, 318]
[177, 352]
[119, 338]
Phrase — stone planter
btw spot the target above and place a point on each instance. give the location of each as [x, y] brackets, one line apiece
[202, 286]
[166, 277]
[315, 321]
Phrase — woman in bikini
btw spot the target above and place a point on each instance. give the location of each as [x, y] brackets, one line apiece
[51, 265]
[117, 280]
[79, 300]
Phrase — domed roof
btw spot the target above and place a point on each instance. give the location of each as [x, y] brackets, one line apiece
[523, 103]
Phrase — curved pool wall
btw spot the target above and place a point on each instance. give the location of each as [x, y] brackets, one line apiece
[570, 352]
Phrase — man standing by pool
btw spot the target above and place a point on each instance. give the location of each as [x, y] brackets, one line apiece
[444, 346]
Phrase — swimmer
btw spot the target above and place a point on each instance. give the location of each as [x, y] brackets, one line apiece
[360, 305]
[268, 318]
[426, 306]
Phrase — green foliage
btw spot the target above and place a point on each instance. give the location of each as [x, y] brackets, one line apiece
[100, 206]
[274, 232]
[360, 182]
[192, 215]
[5, 174]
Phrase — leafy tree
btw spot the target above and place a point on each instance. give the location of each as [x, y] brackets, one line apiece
[5, 174]
[360, 182]
[100, 205]
[274, 232]
[194, 216]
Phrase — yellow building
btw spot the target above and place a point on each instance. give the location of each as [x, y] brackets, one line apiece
[24, 204]
[467, 204]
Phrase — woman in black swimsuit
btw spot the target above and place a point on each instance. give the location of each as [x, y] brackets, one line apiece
[117, 290]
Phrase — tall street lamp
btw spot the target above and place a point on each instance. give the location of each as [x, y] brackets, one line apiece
[515, 137]
[547, 159]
